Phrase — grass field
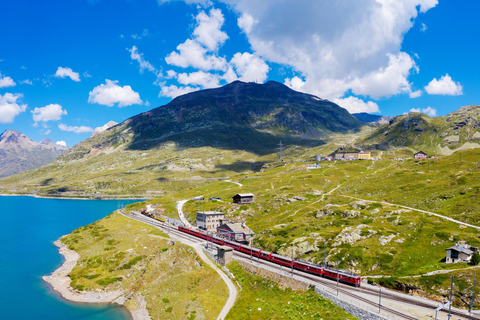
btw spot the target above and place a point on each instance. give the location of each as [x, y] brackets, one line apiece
[263, 299]
[119, 253]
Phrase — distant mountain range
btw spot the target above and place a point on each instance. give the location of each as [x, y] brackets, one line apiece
[372, 118]
[20, 153]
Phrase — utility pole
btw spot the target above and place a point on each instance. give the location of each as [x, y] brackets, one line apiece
[379, 300]
[292, 262]
[450, 305]
[473, 292]
[338, 276]
[280, 148]
[324, 255]
[250, 237]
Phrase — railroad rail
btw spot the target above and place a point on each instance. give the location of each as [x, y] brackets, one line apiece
[344, 289]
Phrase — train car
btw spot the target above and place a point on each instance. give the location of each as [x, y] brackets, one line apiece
[203, 235]
[248, 250]
[308, 267]
[183, 229]
[218, 240]
[265, 255]
[343, 277]
[281, 260]
[236, 246]
[159, 218]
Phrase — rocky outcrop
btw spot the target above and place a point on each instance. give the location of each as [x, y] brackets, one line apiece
[349, 235]
[302, 246]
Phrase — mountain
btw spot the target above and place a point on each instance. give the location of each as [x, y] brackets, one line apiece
[372, 118]
[206, 134]
[19, 153]
[245, 116]
[106, 126]
[458, 130]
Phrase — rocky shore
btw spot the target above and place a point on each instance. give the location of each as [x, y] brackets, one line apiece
[60, 281]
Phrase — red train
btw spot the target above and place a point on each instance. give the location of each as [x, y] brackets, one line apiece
[308, 267]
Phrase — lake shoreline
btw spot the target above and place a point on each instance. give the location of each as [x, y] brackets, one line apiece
[68, 198]
[60, 282]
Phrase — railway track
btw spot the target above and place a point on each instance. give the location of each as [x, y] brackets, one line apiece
[352, 292]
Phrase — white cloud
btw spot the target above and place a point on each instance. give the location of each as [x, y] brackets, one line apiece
[46, 132]
[428, 111]
[86, 75]
[80, 129]
[444, 86]
[415, 94]
[199, 2]
[335, 46]
[23, 68]
[171, 74]
[208, 30]
[136, 36]
[6, 81]
[250, 67]
[295, 83]
[48, 113]
[207, 38]
[134, 55]
[173, 91]
[193, 54]
[204, 79]
[9, 108]
[424, 27]
[61, 143]
[356, 105]
[67, 72]
[246, 22]
[26, 81]
[110, 93]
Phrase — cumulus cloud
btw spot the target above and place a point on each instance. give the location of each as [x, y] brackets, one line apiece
[10, 108]
[336, 46]
[173, 91]
[444, 86]
[428, 111]
[415, 94]
[208, 30]
[424, 27]
[6, 81]
[67, 72]
[200, 52]
[61, 143]
[193, 54]
[48, 113]
[356, 105]
[207, 37]
[79, 129]
[110, 93]
[204, 79]
[250, 67]
[246, 22]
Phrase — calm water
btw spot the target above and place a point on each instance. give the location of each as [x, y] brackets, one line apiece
[28, 226]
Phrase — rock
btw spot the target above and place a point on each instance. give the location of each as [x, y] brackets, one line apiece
[320, 214]
[300, 247]
[350, 214]
[399, 240]
[359, 204]
[349, 235]
[299, 198]
[291, 200]
[384, 240]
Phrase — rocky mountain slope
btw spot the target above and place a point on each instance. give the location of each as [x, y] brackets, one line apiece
[459, 130]
[372, 118]
[106, 126]
[19, 153]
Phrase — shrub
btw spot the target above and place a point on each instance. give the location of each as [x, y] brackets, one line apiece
[475, 259]
[165, 300]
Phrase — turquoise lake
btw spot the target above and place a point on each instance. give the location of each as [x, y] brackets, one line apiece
[28, 228]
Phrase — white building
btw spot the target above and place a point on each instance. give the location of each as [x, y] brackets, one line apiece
[209, 220]
[460, 252]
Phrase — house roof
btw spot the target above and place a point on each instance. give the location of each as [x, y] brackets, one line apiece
[238, 228]
[420, 152]
[210, 213]
[461, 249]
[244, 195]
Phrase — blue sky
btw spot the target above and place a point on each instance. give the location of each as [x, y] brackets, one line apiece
[67, 67]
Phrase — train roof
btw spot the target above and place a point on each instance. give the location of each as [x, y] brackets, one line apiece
[308, 263]
[281, 257]
[342, 272]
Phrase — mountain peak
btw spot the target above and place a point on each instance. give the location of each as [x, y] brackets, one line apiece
[47, 142]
